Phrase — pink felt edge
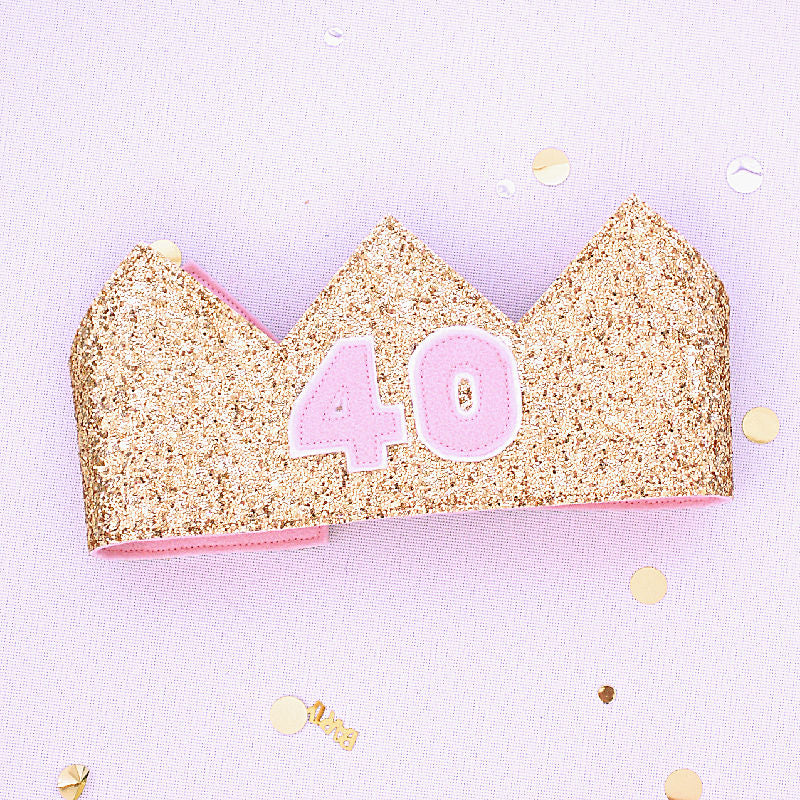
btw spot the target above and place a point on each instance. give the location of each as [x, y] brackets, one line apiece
[221, 543]
[694, 500]
[206, 280]
[304, 537]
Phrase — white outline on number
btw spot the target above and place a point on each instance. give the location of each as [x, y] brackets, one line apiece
[416, 405]
[297, 451]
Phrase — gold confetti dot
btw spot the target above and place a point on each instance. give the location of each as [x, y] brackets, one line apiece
[72, 780]
[648, 585]
[551, 166]
[683, 784]
[288, 715]
[760, 425]
[168, 249]
[606, 694]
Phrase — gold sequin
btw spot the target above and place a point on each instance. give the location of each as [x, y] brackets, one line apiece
[648, 585]
[169, 250]
[683, 784]
[760, 425]
[551, 166]
[288, 715]
[182, 405]
[606, 694]
[72, 781]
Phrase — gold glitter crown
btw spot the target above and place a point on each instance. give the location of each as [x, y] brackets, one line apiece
[182, 405]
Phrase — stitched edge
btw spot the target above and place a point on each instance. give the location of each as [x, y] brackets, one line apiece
[130, 547]
[381, 438]
[430, 436]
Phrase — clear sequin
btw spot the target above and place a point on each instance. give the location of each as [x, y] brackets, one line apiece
[745, 174]
[334, 36]
[506, 188]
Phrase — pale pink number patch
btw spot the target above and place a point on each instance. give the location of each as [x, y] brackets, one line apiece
[339, 409]
[464, 388]
[466, 393]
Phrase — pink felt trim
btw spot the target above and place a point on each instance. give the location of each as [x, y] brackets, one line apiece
[213, 287]
[222, 543]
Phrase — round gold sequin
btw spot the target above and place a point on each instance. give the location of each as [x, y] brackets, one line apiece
[683, 784]
[551, 166]
[606, 694]
[72, 780]
[648, 585]
[760, 425]
[169, 250]
[288, 715]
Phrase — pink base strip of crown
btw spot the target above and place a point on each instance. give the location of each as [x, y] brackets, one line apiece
[695, 501]
[305, 537]
[222, 543]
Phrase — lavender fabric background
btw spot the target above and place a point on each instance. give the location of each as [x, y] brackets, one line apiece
[467, 650]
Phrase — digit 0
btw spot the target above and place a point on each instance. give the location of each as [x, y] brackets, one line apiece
[466, 393]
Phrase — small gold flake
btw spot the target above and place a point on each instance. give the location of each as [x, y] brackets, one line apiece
[648, 585]
[551, 166]
[72, 780]
[465, 399]
[760, 425]
[683, 784]
[169, 250]
[288, 715]
[606, 694]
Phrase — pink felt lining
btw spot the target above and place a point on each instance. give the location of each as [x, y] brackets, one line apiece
[695, 501]
[304, 537]
[213, 287]
[222, 543]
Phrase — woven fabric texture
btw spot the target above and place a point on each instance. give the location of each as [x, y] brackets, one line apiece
[467, 650]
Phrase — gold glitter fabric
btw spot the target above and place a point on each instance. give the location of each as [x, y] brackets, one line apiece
[182, 406]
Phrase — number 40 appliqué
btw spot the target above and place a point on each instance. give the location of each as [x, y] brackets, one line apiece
[465, 394]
